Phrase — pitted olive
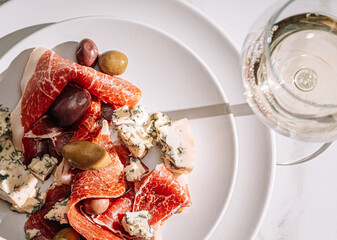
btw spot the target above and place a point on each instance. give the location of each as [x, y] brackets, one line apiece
[87, 53]
[86, 155]
[67, 234]
[113, 62]
[96, 206]
[70, 106]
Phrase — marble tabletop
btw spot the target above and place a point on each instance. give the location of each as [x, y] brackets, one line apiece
[303, 204]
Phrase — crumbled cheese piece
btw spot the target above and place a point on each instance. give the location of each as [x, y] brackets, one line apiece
[16, 182]
[42, 167]
[5, 125]
[59, 212]
[131, 125]
[136, 224]
[158, 120]
[134, 171]
[122, 115]
[134, 116]
[33, 204]
[139, 115]
[136, 139]
[8, 152]
[177, 146]
[32, 233]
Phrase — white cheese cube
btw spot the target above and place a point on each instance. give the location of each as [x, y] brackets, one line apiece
[139, 115]
[177, 146]
[134, 171]
[5, 125]
[135, 116]
[59, 212]
[42, 167]
[122, 115]
[158, 120]
[137, 224]
[32, 233]
[16, 182]
[135, 139]
[33, 203]
[8, 152]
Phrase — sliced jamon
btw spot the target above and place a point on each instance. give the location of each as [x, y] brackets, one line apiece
[108, 182]
[89, 121]
[160, 194]
[48, 229]
[53, 73]
[45, 137]
[111, 219]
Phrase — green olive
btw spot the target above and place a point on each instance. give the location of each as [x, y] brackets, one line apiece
[86, 155]
[67, 234]
[113, 62]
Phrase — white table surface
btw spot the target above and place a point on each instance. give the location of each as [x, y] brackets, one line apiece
[304, 201]
[303, 204]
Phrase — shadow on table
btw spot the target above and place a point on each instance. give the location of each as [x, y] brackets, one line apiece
[10, 40]
[10, 79]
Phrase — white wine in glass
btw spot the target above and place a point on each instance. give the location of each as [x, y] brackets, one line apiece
[290, 70]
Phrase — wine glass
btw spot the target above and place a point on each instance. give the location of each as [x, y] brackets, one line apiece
[289, 70]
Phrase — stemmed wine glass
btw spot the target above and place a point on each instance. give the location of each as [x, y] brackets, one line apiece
[289, 70]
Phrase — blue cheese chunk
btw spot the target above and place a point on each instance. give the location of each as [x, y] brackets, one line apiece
[134, 171]
[32, 233]
[131, 125]
[177, 146]
[42, 167]
[134, 116]
[5, 125]
[16, 182]
[33, 203]
[158, 120]
[137, 224]
[122, 115]
[59, 212]
[8, 152]
[135, 139]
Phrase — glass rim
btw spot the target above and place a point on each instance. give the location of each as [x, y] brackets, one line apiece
[268, 32]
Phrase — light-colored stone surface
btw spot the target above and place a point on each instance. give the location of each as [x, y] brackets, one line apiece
[303, 205]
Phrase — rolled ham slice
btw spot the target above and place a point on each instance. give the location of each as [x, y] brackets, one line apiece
[108, 182]
[161, 194]
[47, 73]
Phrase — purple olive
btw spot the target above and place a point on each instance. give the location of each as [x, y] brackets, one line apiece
[87, 53]
[70, 106]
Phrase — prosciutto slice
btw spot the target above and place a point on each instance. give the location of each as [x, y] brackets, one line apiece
[161, 194]
[107, 182]
[112, 218]
[89, 121]
[45, 137]
[48, 229]
[46, 75]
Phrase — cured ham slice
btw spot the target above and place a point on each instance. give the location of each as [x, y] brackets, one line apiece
[46, 75]
[89, 121]
[112, 218]
[52, 73]
[48, 228]
[44, 137]
[107, 182]
[160, 194]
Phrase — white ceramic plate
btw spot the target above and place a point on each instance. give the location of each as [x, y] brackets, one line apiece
[184, 21]
[171, 77]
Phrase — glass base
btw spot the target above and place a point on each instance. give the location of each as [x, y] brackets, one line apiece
[292, 152]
